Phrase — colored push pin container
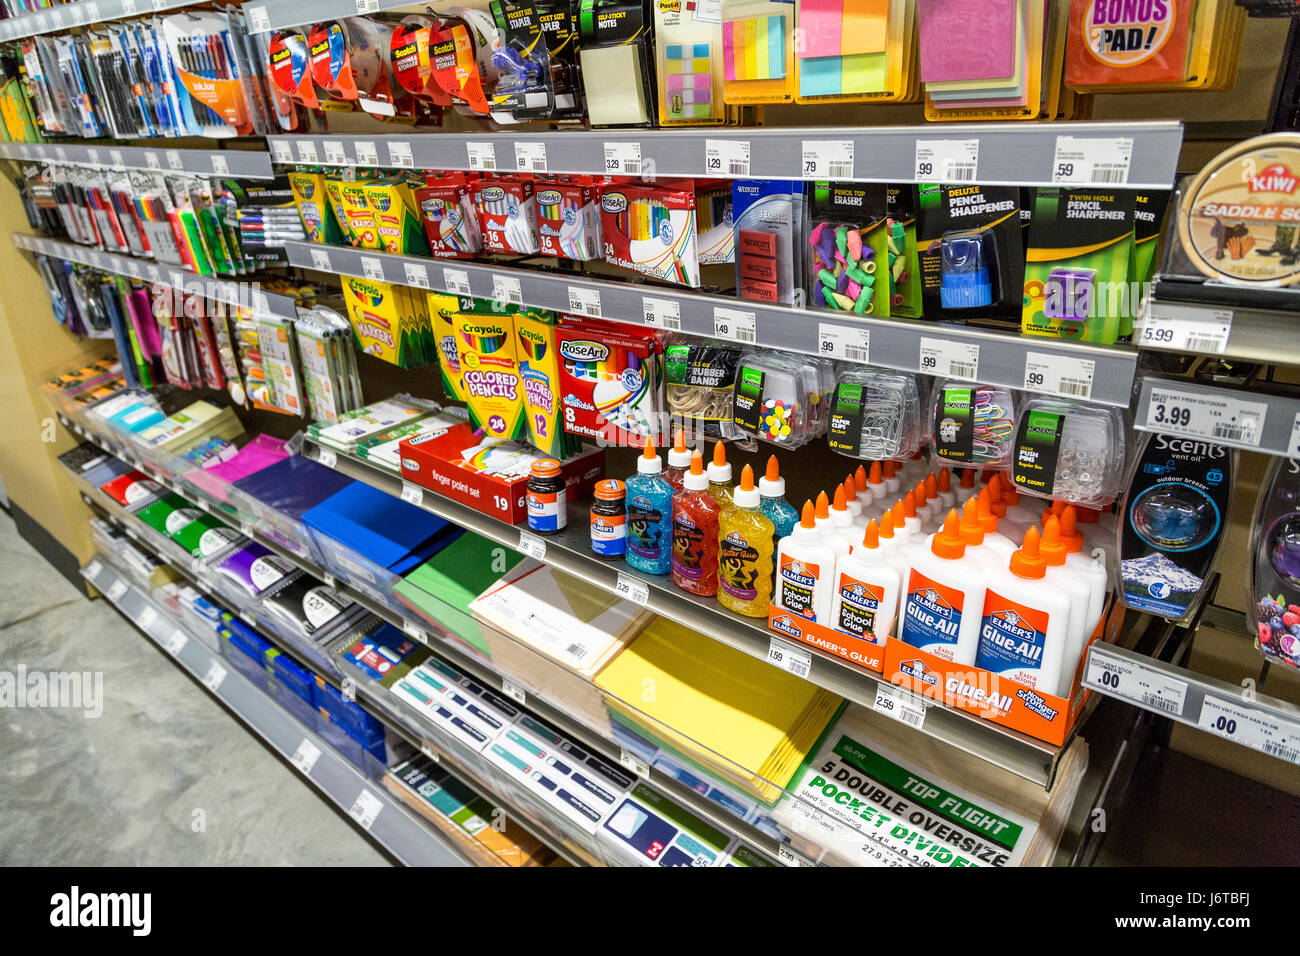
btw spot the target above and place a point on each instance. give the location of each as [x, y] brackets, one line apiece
[771, 493]
[965, 282]
[1067, 294]
[649, 500]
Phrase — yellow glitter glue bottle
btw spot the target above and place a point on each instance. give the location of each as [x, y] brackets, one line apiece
[745, 547]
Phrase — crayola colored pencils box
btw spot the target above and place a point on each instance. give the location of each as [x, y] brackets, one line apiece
[489, 369]
[397, 219]
[540, 372]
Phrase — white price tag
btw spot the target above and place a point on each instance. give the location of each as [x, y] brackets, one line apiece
[1097, 161]
[530, 157]
[947, 160]
[320, 259]
[92, 156]
[329, 579]
[159, 4]
[632, 589]
[513, 691]
[949, 359]
[456, 281]
[91, 571]
[78, 15]
[305, 757]
[843, 342]
[663, 314]
[118, 161]
[585, 302]
[153, 162]
[148, 617]
[413, 494]
[623, 158]
[307, 151]
[155, 274]
[1137, 682]
[92, 12]
[900, 704]
[428, 750]
[174, 160]
[281, 149]
[372, 268]
[367, 806]
[335, 154]
[174, 642]
[219, 165]
[788, 657]
[786, 855]
[507, 289]
[726, 157]
[116, 590]
[1268, 733]
[367, 6]
[399, 155]
[215, 675]
[482, 155]
[1059, 375]
[532, 545]
[828, 159]
[258, 20]
[326, 457]
[735, 325]
[56, 18]
[1185, 328]
[416, 274]
[630, 761]
[367, 153]
[415, 632]
[1220, 417]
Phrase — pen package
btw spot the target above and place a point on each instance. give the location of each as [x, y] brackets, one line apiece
[206, 92]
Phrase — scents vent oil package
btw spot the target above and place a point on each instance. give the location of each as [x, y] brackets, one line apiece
[968, 239]
[1275, 564]
[1174, 515]
[848, 246]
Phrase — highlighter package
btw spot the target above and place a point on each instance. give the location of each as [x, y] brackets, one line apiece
[968, 241]
[904, 266]
[489, 368]
[854, 51]
[847, 246]
[319, 223]
[523, 89]
[1080, 247]
[446, 208]
[766, 217]
[688, 50]
[611, 382]
[388, 321]
[397, 217]
[617, 60]
[568, 218]
[650, 229]
[507, 215]
[757, 51]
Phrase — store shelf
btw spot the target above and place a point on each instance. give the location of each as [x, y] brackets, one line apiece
[251, 164]
[370, 805]
[1255, 325]
[1000, 358]
[80, 13]
[246, 293]
[1014, 154]
[1238, 418]
[1249, 719]
[570, 552]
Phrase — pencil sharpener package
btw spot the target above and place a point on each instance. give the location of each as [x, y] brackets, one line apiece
[207, 93]
[397, 217]
[774, 397]
[757, 52]
[1076, 269]
[1070, 450]
[568, 218]
[875, 414]
[650, 229]
[611, 383]
[699, 379]
[972, 425]
[450, 223]
[847, 245]
[689, 55]
[766, 214]
[904, 265]
[714, 222]
[507, 215]
[617, 60]
[968, 242]
[523, 89]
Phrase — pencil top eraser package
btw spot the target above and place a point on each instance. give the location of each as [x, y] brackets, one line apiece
[507, 215]
[617, 62]
[611, 385]
[523, 89]
[765, 220]
[446, 207]
[650, 229]
[900, 240]
[848, 251]
[968, 242]
[757, 51]
[688, 49]
[568, 218]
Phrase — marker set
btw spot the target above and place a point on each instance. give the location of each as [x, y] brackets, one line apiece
[611, 380]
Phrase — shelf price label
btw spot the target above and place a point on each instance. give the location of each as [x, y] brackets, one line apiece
[456, 281]
[623, 158]
[416, 274]
[947, 160]
[367, 154]
[412, 494]
[282, 149]
[899, 704]
[116, 590]
[532, 545]
[148, 618]
[507, 289]
[948, 359]
[367, 6]
[365, 809]
[1100, 161]
[481, 156]
[663, 314]
[399, 154]
[91, 571]
[305, 757]
[1272, 734]
[307, 151]
[219, 165]
[174, 160]
[1059, 375]
[335, 154]
[786, 856]
[415, 632]
[530, 157]
[320, 259]
[513, 691]
[1293, 449]
[585, 301]
[632, 589]
[843, 342]
[326, 457]
[215, 675]
[151, 157]
[735, 325]
[174, 642]
[788, 657]
[1138, 682]
[372, 268]
[1185, 328]
[726, 157]
[634, 764]
[828, 159]
[1219, 418]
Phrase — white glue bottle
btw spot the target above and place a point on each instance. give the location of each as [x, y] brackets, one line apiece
[1023, 633]
[889, 475]
[943, 488]
[865, 597]
[853, 504]
[968, 487]
[944, 598]
[827, 528]
[994, 538]
[875, 483]
[805, 570]
[924, 510]
[1072, 583]
[842, 517]
[1090, 567]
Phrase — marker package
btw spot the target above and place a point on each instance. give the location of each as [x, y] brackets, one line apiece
[568, 218]
[688, 56]
[847, 246]
[446, 208]
[616, 55]
[611, 384]
[650, 229]
[507, 215]
[757, 51]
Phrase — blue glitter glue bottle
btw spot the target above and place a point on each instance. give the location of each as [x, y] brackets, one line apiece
[649, 515]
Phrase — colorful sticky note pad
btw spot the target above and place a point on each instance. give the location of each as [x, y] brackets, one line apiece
[754, 49]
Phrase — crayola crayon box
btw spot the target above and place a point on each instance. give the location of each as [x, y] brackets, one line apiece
[362, 226]
[312, 199]
[489, 370]
[651, 230]
[334, 195]
[388, 321]
[611, 386]
[397, 218]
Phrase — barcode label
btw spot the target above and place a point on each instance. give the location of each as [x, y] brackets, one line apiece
[1137, 681]
[530, 157]
[839, 170]
[726, 157]
[1268, 732]
[788, 657]
[661, 313]
[841, 342]
[1079, 160]
[1234, 432]
[963, 369]
[1110, 174]
[576, 651]
[482, 155]
[949, 359]
[947, 160]
[1291, 754]
[624, 158]
[1160, 703]
[1204, 343]
[1059, 375]
[1075, 388]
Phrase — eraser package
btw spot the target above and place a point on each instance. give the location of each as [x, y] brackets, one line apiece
[775, 397]
[651, 229]
[972, 424]
[875, 414]
[507, 215]
[450, 222]
[1069, 450]
[757, 51]
[688, 48]
[568, 218]
[969, 244]
[616, 57]
[766, 215]
[847, 246]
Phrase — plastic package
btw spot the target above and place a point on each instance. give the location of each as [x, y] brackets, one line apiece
[848, 241]
[875, 414]
[700, 379]
[1275, 568]
[1069, 450]
[757, 51]
[688, 48]
[616, 56]
[774, 397]
[972, 424]
[524, 87]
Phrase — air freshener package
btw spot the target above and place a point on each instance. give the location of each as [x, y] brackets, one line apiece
[758, 39]
[700, 378]
[766, 214]
[507, 215]
[1076, 266]
[523, 89]
[651, 229]
[1069, 450]
[968, 240]
[446, 207]
[1275, 568]
[875, 414]
[689, 51]
[1174, 515]
[900, 240]
[972, 424]
[568, 218]
[848, 242]
[616, 56]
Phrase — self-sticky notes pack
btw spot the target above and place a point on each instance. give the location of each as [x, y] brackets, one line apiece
[568, 218]
[507, 215]
[446, 208]
[611, 385]
[853, 50]
[616, 57]
[688, 52]
[651, 229]
[757, 51]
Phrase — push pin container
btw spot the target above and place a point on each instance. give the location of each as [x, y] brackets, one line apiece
[1069, 450]
[774, 397]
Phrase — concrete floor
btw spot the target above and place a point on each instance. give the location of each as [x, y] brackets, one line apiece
[123, 788]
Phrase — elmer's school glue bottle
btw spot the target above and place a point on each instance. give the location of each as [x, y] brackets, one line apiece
[1023, 634]
[889, 475]
[993, 538]
[1089, 567]
[695, 533]
[875, 481]
[866, 589]
[679, 459]
[719, 472]
[943, 488]
[826, 526]
[944, 598]
[967, 487]
[745, 548]
[851, 499]
[842, 517]
[911, 520]
[771, 496]
[921, 499]
[805, 570]
[649, 515]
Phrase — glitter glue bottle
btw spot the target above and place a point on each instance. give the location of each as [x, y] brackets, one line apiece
[719, 472]
[745, 551]
[944, 598]
[679, 459]
[649, 515]
[609, 519]
[771, 495]
[805, 570]
[695, 533]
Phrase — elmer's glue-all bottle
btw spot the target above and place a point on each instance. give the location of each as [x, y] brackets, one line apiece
[745, 549]
[993, 538]
[943, 488]
[679, 459]
[851, 499]
[889, 475]
[649, 515]
[719, 472]
[866, 589]
[1089, 567]
[911, 520]
[967, 487]
[771, 496]
[1072, 583]
[805, 571]
[945, 598]
[875, 482]
[1023, 635]
[695, 533]
[921, 498]
[827, 528]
